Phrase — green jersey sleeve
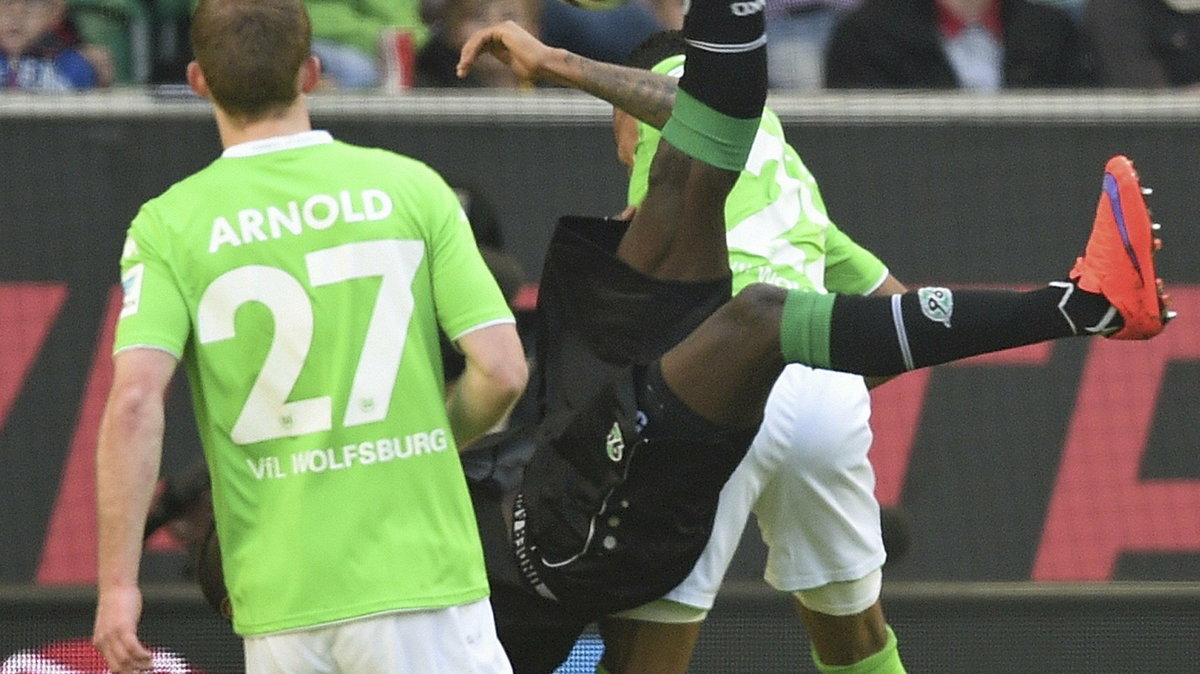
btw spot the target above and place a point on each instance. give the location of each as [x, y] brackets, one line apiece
[465, 293]
[153, 312]
[850, 269]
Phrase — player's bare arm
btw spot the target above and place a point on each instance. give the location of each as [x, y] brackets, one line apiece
[643, 94]
[127, 462]
[494, 377]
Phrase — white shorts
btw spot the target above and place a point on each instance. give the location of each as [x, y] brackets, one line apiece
[809, 481]
[456, 639]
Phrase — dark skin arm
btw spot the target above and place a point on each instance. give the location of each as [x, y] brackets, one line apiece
[641, 93]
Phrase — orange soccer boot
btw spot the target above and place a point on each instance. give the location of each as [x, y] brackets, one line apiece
[1118, 262]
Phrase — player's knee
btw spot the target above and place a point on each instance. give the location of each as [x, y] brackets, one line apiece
[844, 597]
[756, 309]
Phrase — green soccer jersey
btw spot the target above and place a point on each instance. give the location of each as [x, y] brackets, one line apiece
[778, 231]
[303, 282]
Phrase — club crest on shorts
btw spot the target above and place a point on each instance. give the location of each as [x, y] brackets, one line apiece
[937, 304]
[614, 445]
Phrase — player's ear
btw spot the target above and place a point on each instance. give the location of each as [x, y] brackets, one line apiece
[625, 134]
[196, 80]
[310, 74]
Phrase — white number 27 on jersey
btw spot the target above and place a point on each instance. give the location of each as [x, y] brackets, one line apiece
[267, 413]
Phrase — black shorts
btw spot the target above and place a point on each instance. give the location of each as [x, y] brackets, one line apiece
[537, 633]
[619, 496]
[622, 548]
[616, 507]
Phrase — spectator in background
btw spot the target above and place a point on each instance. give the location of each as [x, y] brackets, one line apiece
[980, 45]
[456, 20]
[347, 34]
[120, 31]
[606, 35]
[799, 31]
[1145, 44]
[38, 51]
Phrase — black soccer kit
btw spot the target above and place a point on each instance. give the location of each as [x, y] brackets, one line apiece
[617, 499]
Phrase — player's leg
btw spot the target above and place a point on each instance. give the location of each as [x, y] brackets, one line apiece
[1112, 291]
[859, 641]
[809, 456]
[829, 559]
[647, 646]
[678, 232]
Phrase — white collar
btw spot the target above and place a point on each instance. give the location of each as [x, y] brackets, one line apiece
[276, 143]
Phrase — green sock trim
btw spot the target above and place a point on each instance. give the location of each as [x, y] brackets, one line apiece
[710, 136]
[804, 328]
[601, 669]
[886, 661]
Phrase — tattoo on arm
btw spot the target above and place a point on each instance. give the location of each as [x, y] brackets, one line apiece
[643, 94]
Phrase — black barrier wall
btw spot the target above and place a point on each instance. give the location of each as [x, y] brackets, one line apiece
[965, 629]
[1073, 462]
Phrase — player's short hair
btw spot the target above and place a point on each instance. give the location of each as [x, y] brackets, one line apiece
[251, 52]
[656, 48]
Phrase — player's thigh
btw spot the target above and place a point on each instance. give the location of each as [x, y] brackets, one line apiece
[455, 639]
[725, 369]
[738, 498]
[818, 422]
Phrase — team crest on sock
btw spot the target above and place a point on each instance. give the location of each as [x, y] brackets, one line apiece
[937, 304]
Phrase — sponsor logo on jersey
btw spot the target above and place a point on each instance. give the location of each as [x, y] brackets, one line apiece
[129, 249]
[937, 304]
[131, 288]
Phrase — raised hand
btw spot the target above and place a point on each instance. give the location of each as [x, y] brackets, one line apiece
[513, 46]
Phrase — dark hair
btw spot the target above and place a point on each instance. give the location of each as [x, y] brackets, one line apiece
[656, 48]
[250, 52]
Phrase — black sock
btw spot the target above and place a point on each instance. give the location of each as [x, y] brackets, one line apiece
[726, 56]
[929, 326]
[724, 85]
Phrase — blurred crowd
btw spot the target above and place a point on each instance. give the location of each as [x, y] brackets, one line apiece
[392, 45]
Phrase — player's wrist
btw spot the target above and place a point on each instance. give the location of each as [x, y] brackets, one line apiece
[563, 67]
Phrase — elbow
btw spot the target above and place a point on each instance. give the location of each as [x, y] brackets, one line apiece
[135, 405]
[131, 412]
[511, 380]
